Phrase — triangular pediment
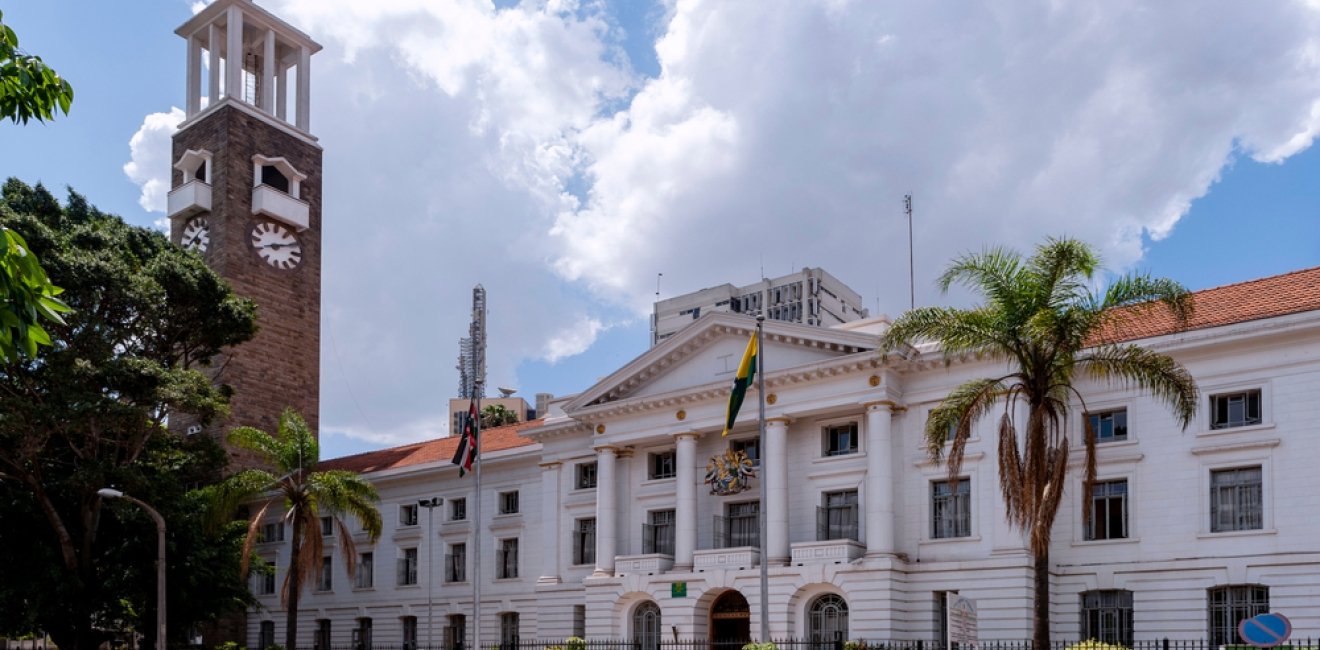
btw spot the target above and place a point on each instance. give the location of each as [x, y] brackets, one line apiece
[709, 350]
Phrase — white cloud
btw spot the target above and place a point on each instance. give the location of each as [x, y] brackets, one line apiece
[149, 162]
[516, 147]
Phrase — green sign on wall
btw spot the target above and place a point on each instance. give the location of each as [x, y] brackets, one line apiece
[678, 590]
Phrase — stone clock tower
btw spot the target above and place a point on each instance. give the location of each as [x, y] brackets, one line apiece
[246, 193]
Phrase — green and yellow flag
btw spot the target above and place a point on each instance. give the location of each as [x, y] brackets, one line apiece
[746, 371]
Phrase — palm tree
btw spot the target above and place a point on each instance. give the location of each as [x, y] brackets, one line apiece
[496, 415]
[1042, 317]
[305, 494]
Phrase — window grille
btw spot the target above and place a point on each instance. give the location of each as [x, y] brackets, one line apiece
[951, 513]
[1236, 499]
[837, 519]
[1107, 616]
[1230, 605]
[740, 527]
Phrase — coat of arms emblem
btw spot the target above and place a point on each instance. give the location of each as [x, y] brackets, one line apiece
[728, 473]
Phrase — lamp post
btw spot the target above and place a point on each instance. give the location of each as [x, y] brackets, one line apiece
[111, 493]
[430, 505]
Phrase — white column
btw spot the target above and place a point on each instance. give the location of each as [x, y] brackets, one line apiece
[304, 108]
[194, 102]
[282, 92]
[775, 466]
[550, 475]
[234, 53]
[879, 484]
[606, 508]
[685, 511]
[268, 73]
[213, 56]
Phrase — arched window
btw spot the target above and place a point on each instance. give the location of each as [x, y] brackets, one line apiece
[646, 626]
[827, 620]
[1107, 616]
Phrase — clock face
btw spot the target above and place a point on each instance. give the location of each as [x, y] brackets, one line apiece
[277, 245]
[196, 234]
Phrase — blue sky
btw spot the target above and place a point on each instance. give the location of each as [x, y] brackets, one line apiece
[564, 154]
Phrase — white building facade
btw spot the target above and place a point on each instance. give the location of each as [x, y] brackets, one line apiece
[616, 535]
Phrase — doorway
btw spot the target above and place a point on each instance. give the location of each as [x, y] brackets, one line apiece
[730, 622]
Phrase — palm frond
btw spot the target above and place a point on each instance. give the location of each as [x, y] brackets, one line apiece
[346, 492]
[223, 499]
[1132, 297]
[955, 330]
[1153, 372]
[249, 540]
[994, 273]
[1010, 470]
[962, 408]
[256, 440]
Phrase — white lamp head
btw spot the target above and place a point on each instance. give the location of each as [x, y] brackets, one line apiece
[109, 493]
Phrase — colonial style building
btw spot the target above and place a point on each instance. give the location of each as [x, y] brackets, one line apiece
[596, 522]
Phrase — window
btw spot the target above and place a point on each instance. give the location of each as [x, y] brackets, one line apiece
[456, 563]
[1107, 616]
[740, 526]
[271, 175]
[267, 635]
[321, 638]
[366, 570]
[1236, 499]
[362, 634]
[586, 476]
[408, 514]
[827, 621]
[950, 433]
[409, 632]
[950, 509]
[506, 559]
[325, 576]
[1109, 514]
[837, 516]
[455, 632]
[751, 447]
[840, 439]
[272, 532]
[408, 567]
[1109, 426]
[266, 580]
[509, 502]
[658, 534]
[663, 465]
[458, 509]
[1235, 409]
[1230, 605]
[584, 541]
[646, 626]
[509, 629]
[327, 526]
[580, 621]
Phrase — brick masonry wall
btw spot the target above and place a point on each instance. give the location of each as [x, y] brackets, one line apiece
[280, 367]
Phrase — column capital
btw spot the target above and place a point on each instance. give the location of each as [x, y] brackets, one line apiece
[682, 435]
[894, 407]
[606, 448]
[779, 419]
[551, 464]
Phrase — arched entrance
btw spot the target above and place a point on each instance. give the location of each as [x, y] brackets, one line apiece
[730, 621]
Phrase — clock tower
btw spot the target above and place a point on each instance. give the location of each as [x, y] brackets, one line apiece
[246, 194]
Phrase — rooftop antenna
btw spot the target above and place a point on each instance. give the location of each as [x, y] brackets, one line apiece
[657, 285]
[912, 277]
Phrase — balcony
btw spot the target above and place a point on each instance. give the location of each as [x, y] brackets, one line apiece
[273, 203]
[743, 557]
[646, 564]
[189, 199]
[831, 551]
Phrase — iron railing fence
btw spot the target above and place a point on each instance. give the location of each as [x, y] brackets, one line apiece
[792, 644]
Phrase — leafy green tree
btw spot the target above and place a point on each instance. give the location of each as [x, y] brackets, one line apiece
[1042, 319]
[304, 495]
[90, 411]
[28, 89]
[496, 415]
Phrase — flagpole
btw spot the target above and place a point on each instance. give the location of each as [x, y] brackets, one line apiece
[761, 513]
[477, 537]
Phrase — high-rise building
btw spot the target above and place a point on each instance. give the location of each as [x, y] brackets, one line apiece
[810, 296]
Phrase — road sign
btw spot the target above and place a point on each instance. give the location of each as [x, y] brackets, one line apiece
[962, 619]
[1265, 630]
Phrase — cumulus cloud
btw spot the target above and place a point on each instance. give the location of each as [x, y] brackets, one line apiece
[517, 147]
[149, 161]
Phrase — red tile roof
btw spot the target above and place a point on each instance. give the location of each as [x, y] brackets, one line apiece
[431, 451]
[1278, 295]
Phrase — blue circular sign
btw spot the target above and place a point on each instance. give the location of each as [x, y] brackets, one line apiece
[1265, 630]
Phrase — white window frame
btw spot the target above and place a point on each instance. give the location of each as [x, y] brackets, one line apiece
[1231, 461]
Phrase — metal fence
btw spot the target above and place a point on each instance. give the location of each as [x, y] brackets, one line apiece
[800, 644]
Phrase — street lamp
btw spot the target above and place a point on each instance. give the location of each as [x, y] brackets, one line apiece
[111, 493]
[430, 505]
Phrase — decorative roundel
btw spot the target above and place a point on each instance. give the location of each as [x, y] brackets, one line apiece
[196, 234]
[276, 244]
